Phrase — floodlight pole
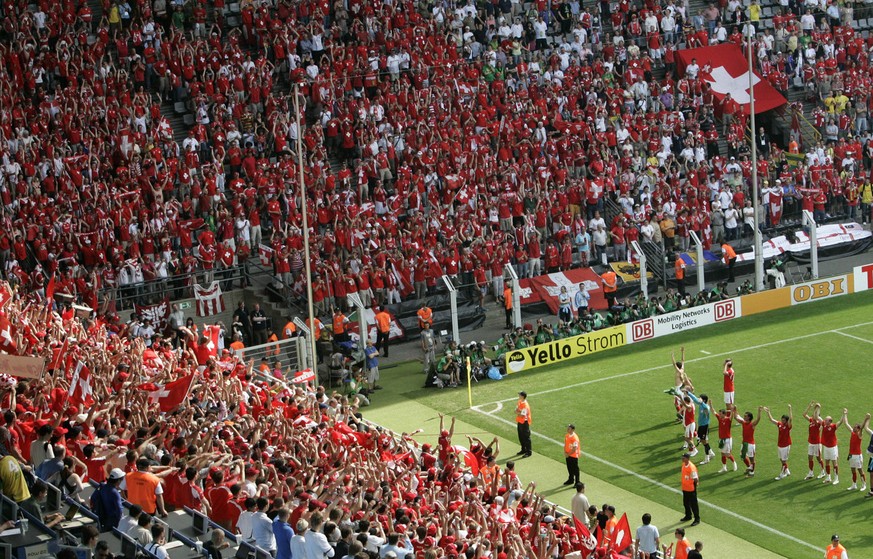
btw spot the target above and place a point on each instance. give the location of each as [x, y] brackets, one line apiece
[303, 349]
[644, 279]
[516, 294]
[756, 202]
[701, 283]
[453, 301]
[809, 221]
[355, 301]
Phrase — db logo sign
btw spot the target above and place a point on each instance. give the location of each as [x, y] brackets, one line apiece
[725, 310]
[643, 330]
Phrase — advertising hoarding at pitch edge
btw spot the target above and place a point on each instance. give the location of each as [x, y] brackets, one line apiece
[861, 279]
[568, 348]
[685, 319]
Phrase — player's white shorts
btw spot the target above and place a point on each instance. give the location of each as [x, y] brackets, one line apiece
[690, 429]
[855, 461]
[729, 398]
[814, 450]
[784, 451]
[830, 452]
[748, 450]
[726, 445]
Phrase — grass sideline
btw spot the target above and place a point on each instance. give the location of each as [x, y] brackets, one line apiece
[627, 420]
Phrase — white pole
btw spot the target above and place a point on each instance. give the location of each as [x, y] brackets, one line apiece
[516, 295]
[644, 280]
[304, 207]
[756, 202]
[701, 283]
[453, 301]
[355, 300]
[809, 221]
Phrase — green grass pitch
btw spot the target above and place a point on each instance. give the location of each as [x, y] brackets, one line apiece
[821, 351]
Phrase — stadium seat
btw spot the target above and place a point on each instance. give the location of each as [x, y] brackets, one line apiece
[234, 8]
[189, 119]
[180, 108]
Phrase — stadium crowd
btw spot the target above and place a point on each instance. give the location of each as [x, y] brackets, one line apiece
[468, 137]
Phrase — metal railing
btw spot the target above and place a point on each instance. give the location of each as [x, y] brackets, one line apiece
[290, 353]
[178, 286]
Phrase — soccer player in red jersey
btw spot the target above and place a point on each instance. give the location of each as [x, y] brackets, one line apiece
[688, 420]
[725, 442]
[830, 451]
[728, 382]
[783, 442]
[855, 456]
[814, 439]
[749, 422]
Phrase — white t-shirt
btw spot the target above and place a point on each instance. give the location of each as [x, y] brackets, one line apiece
[648, 535]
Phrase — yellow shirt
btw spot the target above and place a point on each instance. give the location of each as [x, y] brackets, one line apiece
[12, 480]
[114, 15]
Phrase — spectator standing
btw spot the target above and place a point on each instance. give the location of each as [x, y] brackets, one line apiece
[262, 527]
[283, 534]
[523, 421]
[372, 355]
[259, 325]
[428, 346]
[648, 540]
[579, 503]
[316, 544]
[106, 500]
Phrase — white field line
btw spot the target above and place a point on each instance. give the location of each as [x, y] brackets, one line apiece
[667, 487]
[658, 367]
[703, 351]
[855, 337]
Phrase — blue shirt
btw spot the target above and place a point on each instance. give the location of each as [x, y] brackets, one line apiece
[702, 410]
[283, 533]
[371, 353]
[109, 505]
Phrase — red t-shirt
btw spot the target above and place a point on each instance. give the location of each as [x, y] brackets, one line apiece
[784, 435]
[829, 435]
[814, 431]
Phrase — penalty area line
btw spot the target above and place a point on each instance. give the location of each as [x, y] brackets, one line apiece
[660, 485]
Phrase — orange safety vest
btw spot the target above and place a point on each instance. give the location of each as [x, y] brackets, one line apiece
[610, 282]
[834, 552]
[728, 252]
[339, 324]
[237, 346]
[274, 349]
[507, 297]
[680, 269]
[569, 439]
[425, 316]
[682, 547]
[488, 474]
[141, 488]
[289, 329]
[688, 471]
[522, 413]
[383, 319]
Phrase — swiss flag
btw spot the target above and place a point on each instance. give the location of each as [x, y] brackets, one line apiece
[5, 294]
[80, 386]
[212, 333]
[172, 394]
[726, 69]
[621, 536]
[468, 457]
[587, 542]
[305, 375]
[50, 289]
[8, 333]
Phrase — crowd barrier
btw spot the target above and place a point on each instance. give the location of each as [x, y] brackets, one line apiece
[860, 279]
